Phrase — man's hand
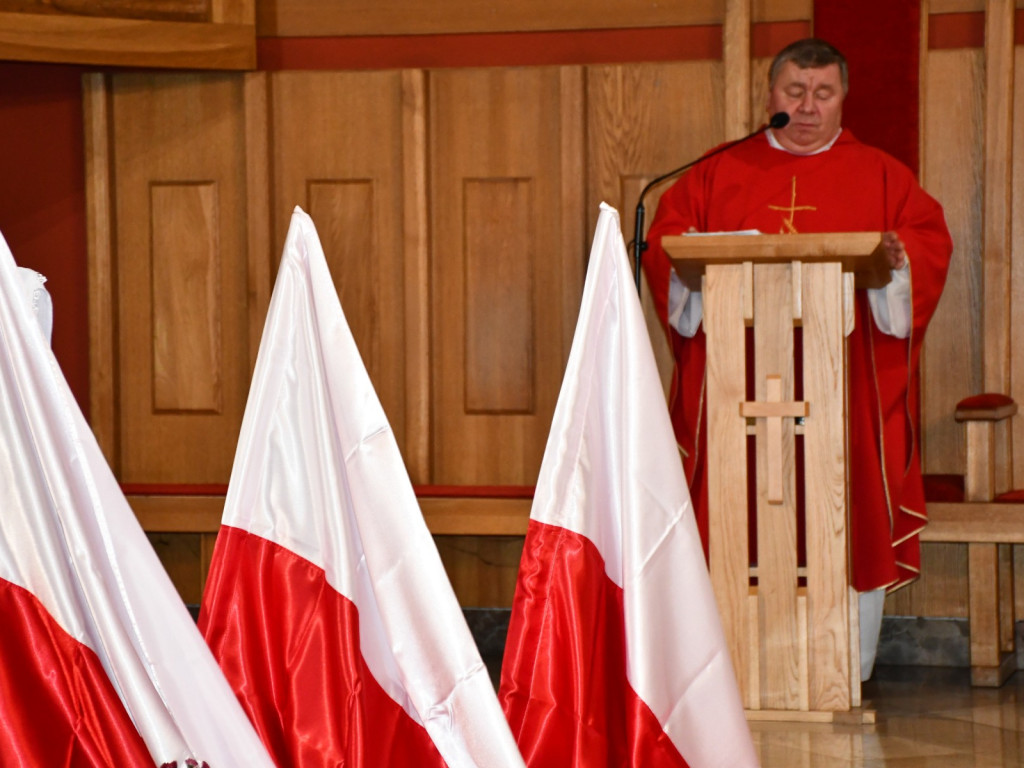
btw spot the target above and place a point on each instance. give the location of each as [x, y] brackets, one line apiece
[895, 253]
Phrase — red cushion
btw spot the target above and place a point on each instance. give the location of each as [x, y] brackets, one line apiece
[985, 401]
[943, 487]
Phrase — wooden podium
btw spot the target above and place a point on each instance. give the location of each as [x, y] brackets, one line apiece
[792, 630]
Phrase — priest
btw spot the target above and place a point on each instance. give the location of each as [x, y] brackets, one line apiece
[812, 175]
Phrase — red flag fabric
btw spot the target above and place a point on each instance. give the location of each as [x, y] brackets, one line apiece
[327, 604]
[615, 653]
[102, 663]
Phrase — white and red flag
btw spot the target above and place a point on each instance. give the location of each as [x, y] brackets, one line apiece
[615, 653]
[100, 662]
[327, 604]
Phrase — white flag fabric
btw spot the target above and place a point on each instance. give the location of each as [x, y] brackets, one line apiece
[327, 604]
[102, 663]
[615, 653]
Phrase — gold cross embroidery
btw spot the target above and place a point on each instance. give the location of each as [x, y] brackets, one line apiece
[788, 227]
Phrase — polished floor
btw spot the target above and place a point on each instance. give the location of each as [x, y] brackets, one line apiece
[926, 717]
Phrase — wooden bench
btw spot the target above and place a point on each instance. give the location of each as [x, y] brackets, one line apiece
[989, 519]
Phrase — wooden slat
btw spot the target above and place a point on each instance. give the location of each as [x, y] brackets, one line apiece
[974, 522]
[984, 578]
[776, 522]
[102, 411]
[260, 279]
[736, 57]
[126, 42]
[727, 472]
[574, 238]
[416, 250]
[999, 71]
[831, 681]
[979, 470]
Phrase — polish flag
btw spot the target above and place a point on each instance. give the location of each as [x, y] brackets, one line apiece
[615, 653]
[327, 604]
[100, 662]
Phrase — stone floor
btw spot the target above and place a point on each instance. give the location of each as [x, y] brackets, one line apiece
[927, 717]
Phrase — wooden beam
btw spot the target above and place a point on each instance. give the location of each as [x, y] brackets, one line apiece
[126, 42]
[445, 516]
[975, 522]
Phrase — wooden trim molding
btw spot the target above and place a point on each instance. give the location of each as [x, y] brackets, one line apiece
[69, 39]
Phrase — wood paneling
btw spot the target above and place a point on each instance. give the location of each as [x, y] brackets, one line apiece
[952, 118]
[464, 300]
[999, 55]
[502, 128]
[127, 42]
[180, 274]
[310, 18]
[482, 570]
[1017, 276]
[499, 377]
[643, 120]
[188, 361]
[102, 291]
[341, 144]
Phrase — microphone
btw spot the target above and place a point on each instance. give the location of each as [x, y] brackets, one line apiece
[778, 120]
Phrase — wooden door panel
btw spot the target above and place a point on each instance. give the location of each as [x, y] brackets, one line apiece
[506, 247]
[346, 149]
[180, 267]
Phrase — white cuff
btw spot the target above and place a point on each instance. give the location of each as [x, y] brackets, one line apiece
[890, 305]
[685, 307]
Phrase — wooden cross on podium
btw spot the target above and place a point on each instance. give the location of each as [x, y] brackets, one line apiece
[774, 410]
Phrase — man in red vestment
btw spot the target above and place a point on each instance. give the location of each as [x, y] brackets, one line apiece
[814, 176]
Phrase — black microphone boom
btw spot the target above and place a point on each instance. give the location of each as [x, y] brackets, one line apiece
[778, 120]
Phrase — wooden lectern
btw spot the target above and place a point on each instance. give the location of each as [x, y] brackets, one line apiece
[793, 631]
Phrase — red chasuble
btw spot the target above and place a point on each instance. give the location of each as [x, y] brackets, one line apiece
[849, 188]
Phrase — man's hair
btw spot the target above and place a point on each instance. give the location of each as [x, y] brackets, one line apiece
[810, 53]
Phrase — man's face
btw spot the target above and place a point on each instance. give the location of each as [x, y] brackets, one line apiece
[813, 98]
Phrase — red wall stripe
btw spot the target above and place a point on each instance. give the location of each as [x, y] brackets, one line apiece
[966, 30]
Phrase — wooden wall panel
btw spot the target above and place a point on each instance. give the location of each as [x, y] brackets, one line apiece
[504, 128]
[131, 35]
[953, 116]
[181, 263]
[188, 362]
[500, 295]
[311, 18]
[643, 120]
[1017, 272]
[341, 147]
[482, 570]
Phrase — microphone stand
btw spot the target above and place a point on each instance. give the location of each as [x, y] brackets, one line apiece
[778, 120]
